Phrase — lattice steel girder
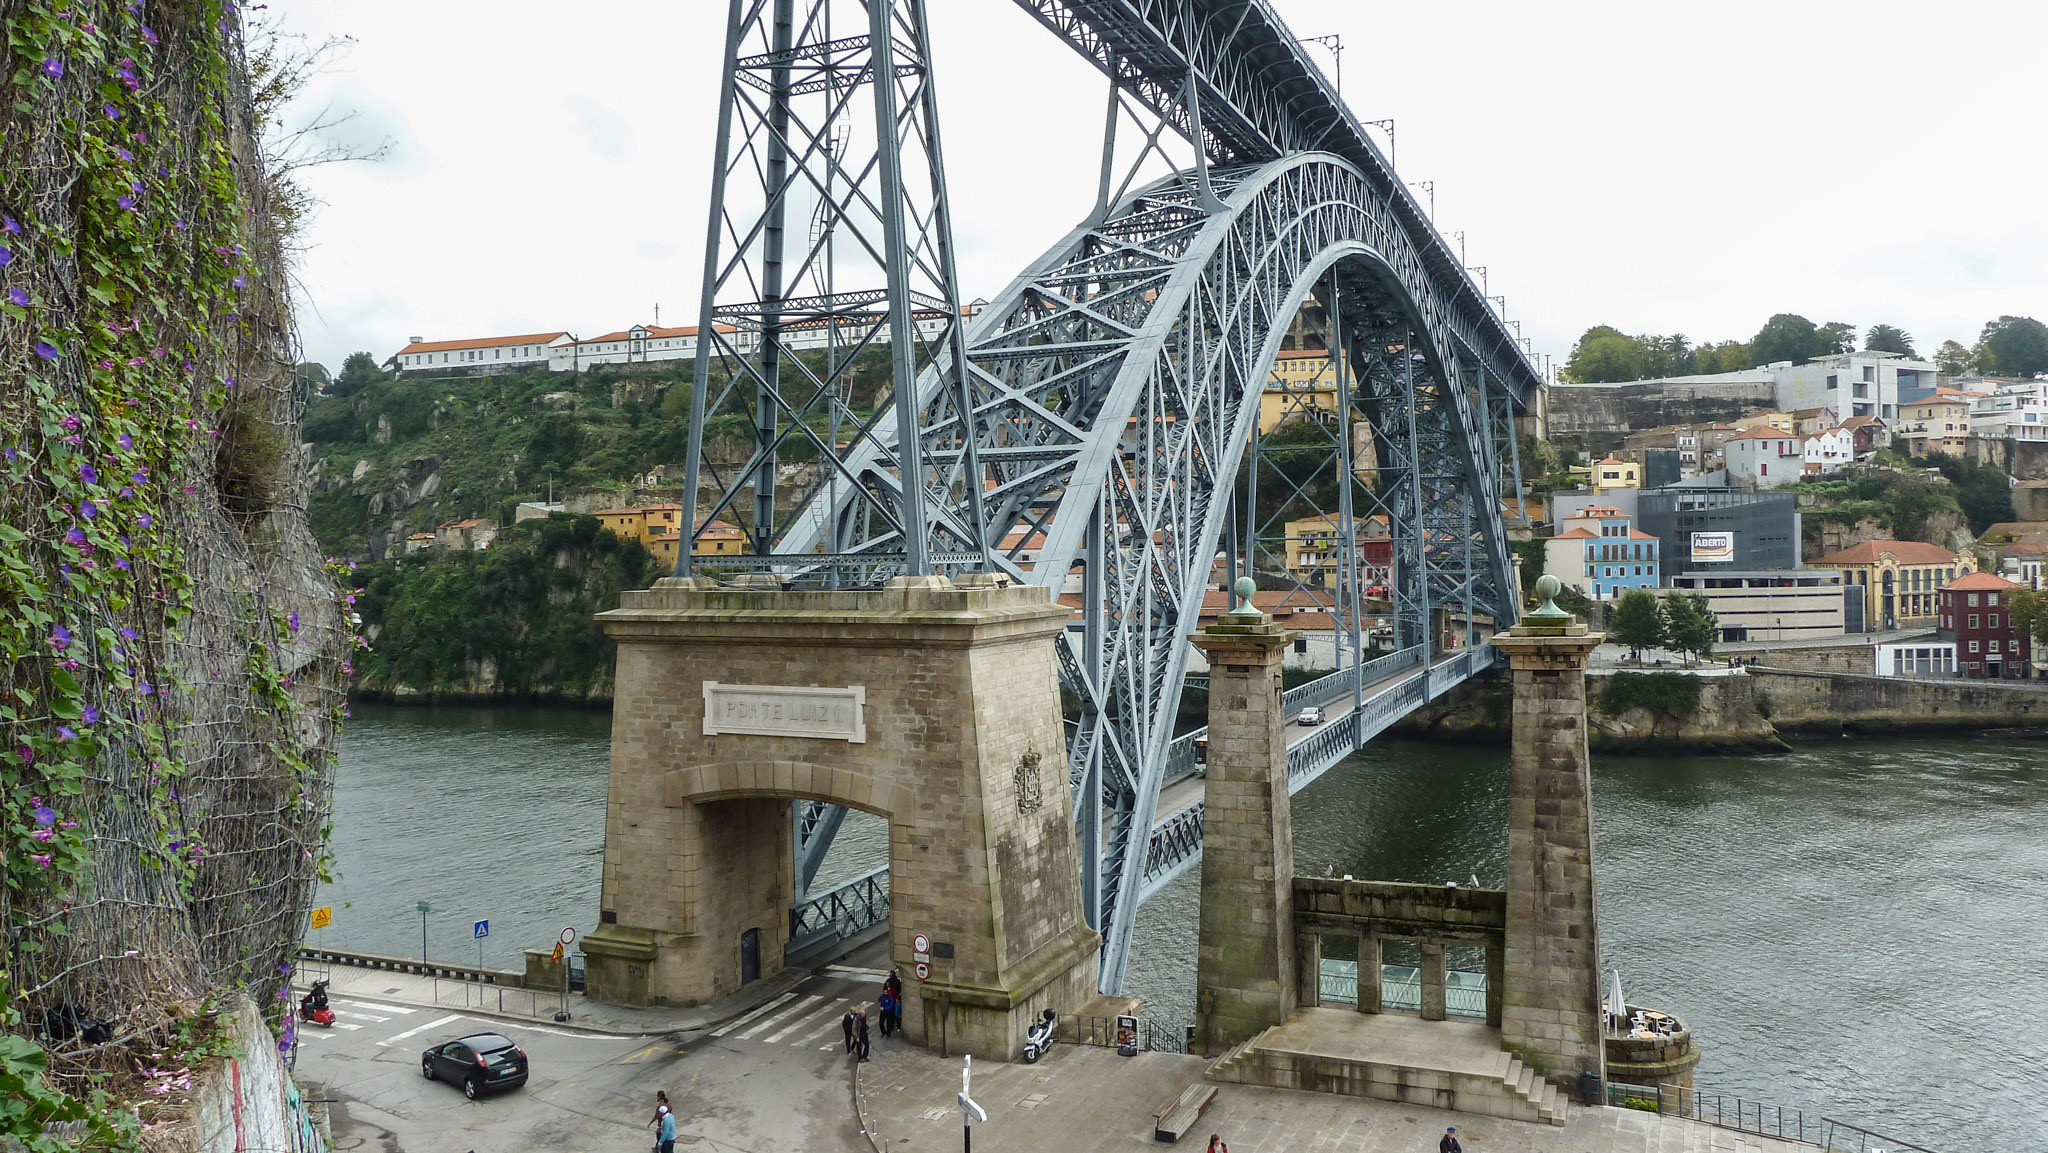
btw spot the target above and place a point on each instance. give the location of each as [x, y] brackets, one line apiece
[1128, 362]
[827, 120]
[1261, 97]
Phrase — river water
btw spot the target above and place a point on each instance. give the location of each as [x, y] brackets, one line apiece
[1857, 928]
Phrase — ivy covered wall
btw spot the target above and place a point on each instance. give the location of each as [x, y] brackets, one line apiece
[171, 645]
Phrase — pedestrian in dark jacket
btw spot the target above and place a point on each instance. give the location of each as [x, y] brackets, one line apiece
[860, 1035]
[1450, 1142]
[846, 1024]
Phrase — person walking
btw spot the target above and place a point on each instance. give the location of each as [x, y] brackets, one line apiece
[1450, 1142]
[663, 1124]
[860, 1035]
[665, 1136]
[1217, 1144]
[888, 1004]
[846, 1025]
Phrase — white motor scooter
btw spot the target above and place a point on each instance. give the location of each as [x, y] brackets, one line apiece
[1038, 1038]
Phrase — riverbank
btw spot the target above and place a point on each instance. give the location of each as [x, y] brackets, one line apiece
[1713, 710]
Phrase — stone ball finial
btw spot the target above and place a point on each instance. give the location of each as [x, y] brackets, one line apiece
[1245, 587]
[1547, 588]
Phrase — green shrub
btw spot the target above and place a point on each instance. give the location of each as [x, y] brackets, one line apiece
[1674, 694]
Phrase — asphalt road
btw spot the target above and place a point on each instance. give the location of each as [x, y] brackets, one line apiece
[774, 1080]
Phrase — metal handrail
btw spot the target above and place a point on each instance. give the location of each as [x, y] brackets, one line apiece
[846, 910]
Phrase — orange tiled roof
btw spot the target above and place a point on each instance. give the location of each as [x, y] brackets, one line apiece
[1904, 551]
[1981, 581]
[480, 342]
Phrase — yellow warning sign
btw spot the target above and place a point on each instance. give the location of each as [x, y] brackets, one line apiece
[322, 915]
[557, 954]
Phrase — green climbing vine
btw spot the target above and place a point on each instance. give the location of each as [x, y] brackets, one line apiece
[128, 297]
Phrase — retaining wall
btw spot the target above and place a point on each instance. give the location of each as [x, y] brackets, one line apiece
[1800, 701]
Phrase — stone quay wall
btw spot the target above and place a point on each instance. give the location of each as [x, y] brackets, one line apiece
[1836, 702]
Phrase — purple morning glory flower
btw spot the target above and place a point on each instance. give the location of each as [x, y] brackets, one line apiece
[88, 509]
[45, 815]
[293, 620]
[53, 67]
[240, 281]
[112, 112]
[18, 296]
[6, 256]
[10, 455]
[127, 634]
[148, 35]
[127, 202]
[60, 637]
[121, 562]
[88, 474]
[142, 520]
[125, 441]
[65, 734]
[75, 536]
[46, 350]
[124, 154]
[89, 715]
[8, 224]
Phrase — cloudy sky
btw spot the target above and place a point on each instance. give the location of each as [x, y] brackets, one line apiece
[1661, 168]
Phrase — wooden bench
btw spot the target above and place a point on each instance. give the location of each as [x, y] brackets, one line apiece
[1172, 1120]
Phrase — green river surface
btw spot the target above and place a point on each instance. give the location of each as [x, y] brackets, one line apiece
[1857, 929]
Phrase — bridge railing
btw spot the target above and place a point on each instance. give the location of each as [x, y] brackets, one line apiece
[846, 911]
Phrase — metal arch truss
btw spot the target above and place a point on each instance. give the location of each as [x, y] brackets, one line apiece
[1086, 431]
[1113, 390]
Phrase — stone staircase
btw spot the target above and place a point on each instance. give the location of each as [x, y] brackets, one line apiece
[1502, 1087]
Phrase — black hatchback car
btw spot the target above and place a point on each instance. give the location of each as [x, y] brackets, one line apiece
[480, 1063]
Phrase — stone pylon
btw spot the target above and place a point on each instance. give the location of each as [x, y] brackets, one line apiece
[1550, 1013]
[1244, 967]
[930, 703]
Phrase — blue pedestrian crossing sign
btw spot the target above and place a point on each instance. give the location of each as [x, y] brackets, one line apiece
[483, 929]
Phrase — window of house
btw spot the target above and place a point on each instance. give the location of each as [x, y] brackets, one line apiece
[1994, 644]
[1973, 604]
[1973, 620]
[1870, 372]
[1833, 382]
[1973, 648]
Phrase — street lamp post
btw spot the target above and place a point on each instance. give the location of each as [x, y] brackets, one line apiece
[424, 909]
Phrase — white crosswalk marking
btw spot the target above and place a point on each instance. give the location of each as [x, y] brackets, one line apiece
[360, 1016]
[803, 1005]
[450, 1019]
[826, 1011]
[770, 1007]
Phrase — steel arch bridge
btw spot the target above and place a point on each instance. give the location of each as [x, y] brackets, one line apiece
[1094, 428]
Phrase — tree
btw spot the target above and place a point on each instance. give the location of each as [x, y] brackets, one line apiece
[1836, 337]
[1638, 622]
[1952, 359]
[2029, 611]
[1727, 356]
[1787, 336]
[2015, 346]
[1983, 492]
[357, 373]
[1690, 624]
[1605, 354]
[1887, 338]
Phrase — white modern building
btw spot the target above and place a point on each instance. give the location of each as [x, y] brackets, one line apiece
[1852, 384]
[476, 354]
[1921, 658]
[2014, 411]
[1781, 605]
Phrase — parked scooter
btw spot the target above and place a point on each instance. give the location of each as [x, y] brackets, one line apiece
[313, 1006]
[1038, 1038]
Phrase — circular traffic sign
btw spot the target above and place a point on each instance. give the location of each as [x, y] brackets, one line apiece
[924, 971]
[920, 944]
[568, 936]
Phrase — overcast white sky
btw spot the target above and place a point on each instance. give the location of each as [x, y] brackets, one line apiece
[1659, 167]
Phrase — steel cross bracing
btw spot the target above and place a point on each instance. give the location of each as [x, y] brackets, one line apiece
[1114, 388]
[1092, 423]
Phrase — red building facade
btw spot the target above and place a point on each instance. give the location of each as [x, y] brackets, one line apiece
[1971, 611]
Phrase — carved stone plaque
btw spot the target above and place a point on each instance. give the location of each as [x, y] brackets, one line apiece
[786, 711]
